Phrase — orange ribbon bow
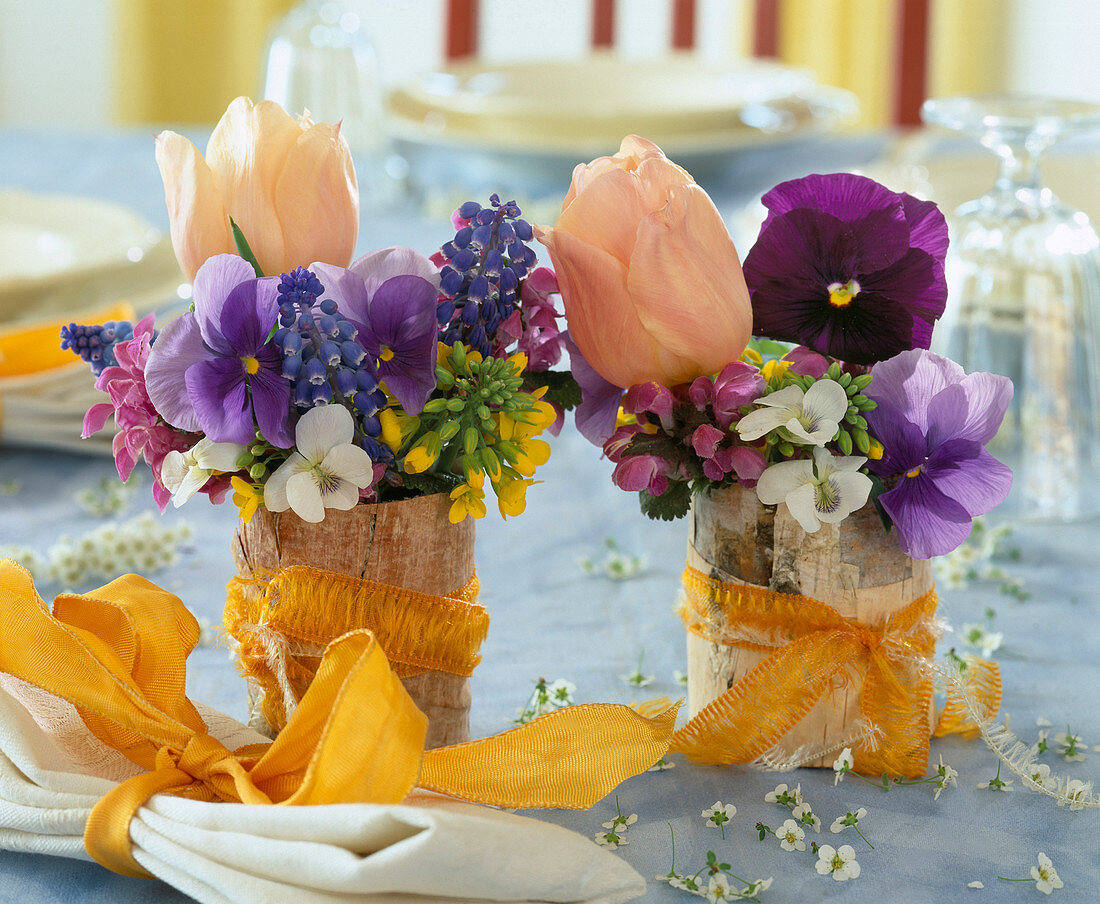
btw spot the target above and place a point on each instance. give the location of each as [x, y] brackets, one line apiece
[810, 650]
[118, 655]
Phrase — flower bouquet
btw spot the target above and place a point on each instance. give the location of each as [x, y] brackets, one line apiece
[821, 463]
[357, 410]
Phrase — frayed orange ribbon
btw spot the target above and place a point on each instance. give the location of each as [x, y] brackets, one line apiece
[118, 655]
[812, 649]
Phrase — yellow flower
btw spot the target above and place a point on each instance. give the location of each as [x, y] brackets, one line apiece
[391, 428]
[246, 497]
[512, 496]
[424, 454]
[774, 369]
[876, 450]
[752, 356]
[468, 499]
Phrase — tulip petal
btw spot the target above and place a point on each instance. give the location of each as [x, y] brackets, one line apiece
[178, 346]
[317, 198]
[196, 210]
[700, 312]
[606, 214]
[246, 153]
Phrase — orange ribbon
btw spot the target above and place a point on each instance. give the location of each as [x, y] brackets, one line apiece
[811, 650]
[118, 655]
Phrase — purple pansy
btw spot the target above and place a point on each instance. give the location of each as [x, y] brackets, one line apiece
[848, 268]
[213, 369]
[390, 297]
[934, 422]
[598, 411]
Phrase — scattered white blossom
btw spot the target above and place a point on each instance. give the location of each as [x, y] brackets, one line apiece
[843, 764]
[1043, 723]
[620, 823]
[610, 840]
[791, 836]
[997, 783]
[679, 677]
[1045, 875]
[1039, 776]
[945, 775]
[975, 884]
[638, 678]
[1070, 745]
[987, 642]
[718, 814]
[783, 795]
[718, 889]
[1076, 794]
[661, 765]
[805, 816]
[616, 564]
[849, 819]
[754, 888]
[839, 862]
[546, 697]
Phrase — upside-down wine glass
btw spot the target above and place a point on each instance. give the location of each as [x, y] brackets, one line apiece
[1023, 275]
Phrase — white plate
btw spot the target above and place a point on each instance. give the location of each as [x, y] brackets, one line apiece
[47, 237]
[572, 107]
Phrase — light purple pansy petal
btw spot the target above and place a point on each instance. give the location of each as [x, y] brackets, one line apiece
[179, 345]
[378, 266]
[595, 416]
[247, 316]
[214, 282]
[971, 409]
[967, 473]
[928, 523]
[905, 446]
[910, 380]
[349, 292]
[843, 195]
[217, 391]
[402, 320]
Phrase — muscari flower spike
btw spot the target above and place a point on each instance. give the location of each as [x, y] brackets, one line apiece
[95, 343]
[485, 262]
[324, 362]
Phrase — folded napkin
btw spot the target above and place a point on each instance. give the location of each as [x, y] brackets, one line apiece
[428, 848]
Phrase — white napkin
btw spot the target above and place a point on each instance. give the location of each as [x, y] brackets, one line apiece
[428, 849]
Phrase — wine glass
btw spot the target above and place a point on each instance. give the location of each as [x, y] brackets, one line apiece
[1023, 274]
[319, 58]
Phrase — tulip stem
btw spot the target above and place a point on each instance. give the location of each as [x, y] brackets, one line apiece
[243, 248]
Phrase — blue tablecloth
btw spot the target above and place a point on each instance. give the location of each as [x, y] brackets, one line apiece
[550, 619]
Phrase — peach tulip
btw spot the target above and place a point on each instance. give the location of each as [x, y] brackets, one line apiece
[288, 184]
[650, 279]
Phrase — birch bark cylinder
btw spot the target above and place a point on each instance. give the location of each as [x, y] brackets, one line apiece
[408, 543]
[855, 567]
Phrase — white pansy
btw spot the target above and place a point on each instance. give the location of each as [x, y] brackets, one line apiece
[840, 862]
[326, 470]
[790, 836]
[827, 489]
[809, 418]
[185, 473]
[843, 764]
[1045, 875]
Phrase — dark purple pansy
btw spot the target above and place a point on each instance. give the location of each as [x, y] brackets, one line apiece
[847, 268]
[934, 421]
[390, 297]
[213, 370]
[598, 411]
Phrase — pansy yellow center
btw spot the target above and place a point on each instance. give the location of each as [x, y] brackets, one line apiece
[914, 472]
[251, 365]
[841, 295]
[386, 354]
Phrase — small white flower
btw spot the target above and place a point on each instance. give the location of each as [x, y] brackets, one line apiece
[805, 816]
[843, 764]
[808, 418]
[1071, 745]
[985, 641]
[781, 795]
[975, 884]
[1039, 776]
[840, 862]
[827, 489]
[623, 821]
[791, 836]
[637, 678]
[560, 693]
[185, 473]
[1043, 723]
[325, 470]
[1045, 875]
[661, 765]
[718, 889]
[848, 819]
[945, 775]
[753, 889]
[997, 784]
[1076, 794]
[719, 814]
[610, 840]
[679, 677]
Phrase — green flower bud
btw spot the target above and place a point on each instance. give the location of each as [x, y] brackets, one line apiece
[844, 442]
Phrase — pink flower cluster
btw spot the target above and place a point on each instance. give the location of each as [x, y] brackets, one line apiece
[141, 431]
[702, 414]
[534, 323]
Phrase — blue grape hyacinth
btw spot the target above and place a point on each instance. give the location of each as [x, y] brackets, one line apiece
[324, 362]
[95, 343]
[485, 262]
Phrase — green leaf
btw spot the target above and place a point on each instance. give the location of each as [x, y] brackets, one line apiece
[673, 503]
[243, 248]
[428, 483]
[561, 389]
